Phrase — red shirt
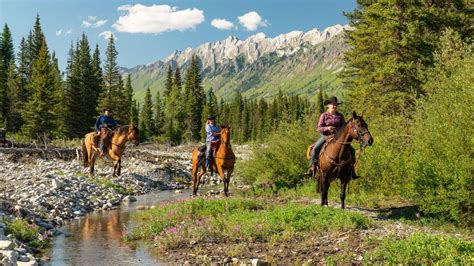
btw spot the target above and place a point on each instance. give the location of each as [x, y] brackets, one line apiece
[328, 120]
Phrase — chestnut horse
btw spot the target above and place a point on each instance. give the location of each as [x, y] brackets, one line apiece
[224, 162]
[120, 136]
[335, 159]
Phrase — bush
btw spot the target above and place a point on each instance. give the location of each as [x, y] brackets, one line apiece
[422, 249]
[25, 232]
[442, 162]
[282, 160]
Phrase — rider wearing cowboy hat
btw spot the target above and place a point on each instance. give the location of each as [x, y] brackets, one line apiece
[213, 132]
[104, 124]
[329, 122]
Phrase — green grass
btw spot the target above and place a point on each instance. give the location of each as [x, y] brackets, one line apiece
[25, 232]
[237, 220]
[109, 183]
[423, 249]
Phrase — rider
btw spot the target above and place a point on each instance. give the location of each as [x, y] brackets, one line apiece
[212, 134]
[329, 122]
[104, 124]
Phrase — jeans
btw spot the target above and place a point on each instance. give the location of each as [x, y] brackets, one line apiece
[317, 148]
[319, 144]
[208, 152]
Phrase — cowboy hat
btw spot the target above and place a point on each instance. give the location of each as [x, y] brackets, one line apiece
[332, 100]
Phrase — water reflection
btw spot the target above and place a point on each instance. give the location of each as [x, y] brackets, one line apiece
[96, 238]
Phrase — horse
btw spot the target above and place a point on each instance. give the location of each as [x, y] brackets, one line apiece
[335, 159]
[120, 137]
[224, 162]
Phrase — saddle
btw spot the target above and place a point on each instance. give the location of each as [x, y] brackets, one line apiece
[106, 135]
[214, 147]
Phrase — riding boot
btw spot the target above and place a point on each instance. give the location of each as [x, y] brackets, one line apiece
[311, 170]
[354, 176]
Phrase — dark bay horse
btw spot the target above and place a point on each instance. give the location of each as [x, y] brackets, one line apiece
[122, 135]
[335, 158]
[224, 162]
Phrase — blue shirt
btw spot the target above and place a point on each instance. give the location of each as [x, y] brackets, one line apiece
[104, 120]
[209, 130]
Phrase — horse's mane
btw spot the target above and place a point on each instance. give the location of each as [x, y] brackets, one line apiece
[341, 130]
[124, 129]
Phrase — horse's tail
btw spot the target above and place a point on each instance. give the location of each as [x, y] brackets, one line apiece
[84, 153]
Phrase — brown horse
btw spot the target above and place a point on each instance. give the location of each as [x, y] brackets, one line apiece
[335, 159]
[224, 162]
[90, 147]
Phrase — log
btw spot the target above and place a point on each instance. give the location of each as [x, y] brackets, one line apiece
[50, 153]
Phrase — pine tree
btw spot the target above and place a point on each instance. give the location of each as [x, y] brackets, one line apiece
[128, 96]
[39, 115]
[110, 95]
[7, 55]
[134, 109]
[393, 42]
[14, 118]
[195, 98]
[97, 74]
[58, 95]
[168, 82]
[146, 121]
[159, 115]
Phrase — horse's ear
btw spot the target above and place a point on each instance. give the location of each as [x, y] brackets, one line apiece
[354, 114]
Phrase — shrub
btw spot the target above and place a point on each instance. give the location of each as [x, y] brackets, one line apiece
[422, 249]
[282, 160]
[442, 162]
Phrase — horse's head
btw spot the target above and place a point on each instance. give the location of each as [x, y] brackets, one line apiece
[133, 134]
[360, 130]
[225, 134]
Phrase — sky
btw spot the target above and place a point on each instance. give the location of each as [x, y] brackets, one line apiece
[147, 31]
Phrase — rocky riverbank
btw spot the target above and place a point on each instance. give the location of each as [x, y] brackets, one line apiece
[47, 193]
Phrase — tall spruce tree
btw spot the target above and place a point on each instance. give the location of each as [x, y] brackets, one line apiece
[134, 109]
[159, 114]
[128, 99]
[39, 115]
[392, 43]
[7, 55]
[14, 118]
[110, 95]
[195, 99]
[168, 82]
[146, 121]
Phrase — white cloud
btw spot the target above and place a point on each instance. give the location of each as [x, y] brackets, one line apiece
[252, 20]
[107, 34]
[157, 18]
[62, 32]
[92, 22]
[222, 24]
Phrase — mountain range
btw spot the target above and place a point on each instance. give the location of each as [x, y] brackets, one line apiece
[297, 63]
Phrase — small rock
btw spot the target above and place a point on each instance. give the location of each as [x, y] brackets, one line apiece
[57, 184]
[24, 258]
[6, 244]
[259, 262]
[235, 261]
[129, 199]
[178, 191]
[78, 213]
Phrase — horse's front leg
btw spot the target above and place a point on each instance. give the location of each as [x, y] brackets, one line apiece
[227, 180]
[325, 190]
[119, 167]
[115, 168]
[343, 192]
[220, 171]
[92, 163]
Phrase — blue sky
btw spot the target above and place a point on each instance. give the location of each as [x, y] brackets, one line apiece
[150, 30]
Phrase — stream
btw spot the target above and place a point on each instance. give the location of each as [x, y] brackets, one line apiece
[95, 239]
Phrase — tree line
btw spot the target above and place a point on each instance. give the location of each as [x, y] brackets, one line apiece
[41, 102]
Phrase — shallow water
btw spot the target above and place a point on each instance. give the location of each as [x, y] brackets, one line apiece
[95, 239]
